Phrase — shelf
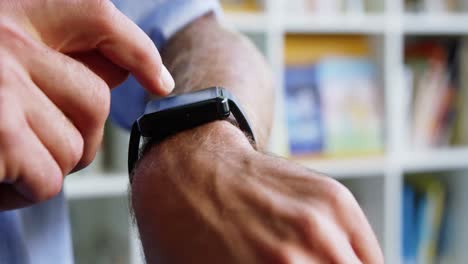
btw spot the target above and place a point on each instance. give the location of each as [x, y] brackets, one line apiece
[96, 186]
[247, 22]
[360, 24]
[258, 23]
[450, 24]
[436, 160]
[348, 168]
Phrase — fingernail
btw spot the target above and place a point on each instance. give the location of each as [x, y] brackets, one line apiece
[167, 81]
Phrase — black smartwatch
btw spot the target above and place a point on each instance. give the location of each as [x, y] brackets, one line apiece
[170, 115]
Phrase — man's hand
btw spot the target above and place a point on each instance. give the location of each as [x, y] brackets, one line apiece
[58, 59]
[206, 196]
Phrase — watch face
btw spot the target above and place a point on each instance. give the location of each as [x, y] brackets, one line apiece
[182, 100]
[168, 115]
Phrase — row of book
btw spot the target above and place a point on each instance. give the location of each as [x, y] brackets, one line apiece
[333, 101]
[436, 6]
[242, 5]
[320, 7]
[327, 7]
[425, 220]
[437, 84]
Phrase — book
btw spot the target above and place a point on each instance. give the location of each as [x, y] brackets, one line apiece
[332, 96]
[439, 6]
[434, 91]
[461, 120]
[305, 133]
[433, 6]
[429, 212]
[372, 6]
[355, 6]
[408, 104]
[307, 49]
[413, 5]
[241, 5]
[317, 7]
[409, 226]
[352, 119]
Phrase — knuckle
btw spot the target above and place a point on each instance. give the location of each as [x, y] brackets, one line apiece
[2, 169]
[12, 35]
[307, 220]
[104, 13]
[75, 152]
[6, 28]
[90, 152]
[3, 72]
[7, 71]
[95, 102]
[100, 104]
[8, 166]
[87, 159]
[8, 127]
[47, 190]
[284, 254]
[142, 57]
[10, 156]
[339, 196]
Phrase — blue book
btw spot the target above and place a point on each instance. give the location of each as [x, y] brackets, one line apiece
[305, 132]
[409, 232]
[431, 211]
[351, 109]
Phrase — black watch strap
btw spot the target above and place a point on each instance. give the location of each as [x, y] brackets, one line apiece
[239, 115]
[133, 153]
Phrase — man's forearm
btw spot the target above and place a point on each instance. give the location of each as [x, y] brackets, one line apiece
[205, 54]
[176, 181]
[206, 196]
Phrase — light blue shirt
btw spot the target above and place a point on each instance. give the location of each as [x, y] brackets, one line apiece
[41, 233]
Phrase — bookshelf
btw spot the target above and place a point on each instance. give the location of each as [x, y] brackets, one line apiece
[105, 185]
[377, 181]
[347, 23]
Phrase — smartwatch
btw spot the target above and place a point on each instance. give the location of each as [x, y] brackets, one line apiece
[167, 116]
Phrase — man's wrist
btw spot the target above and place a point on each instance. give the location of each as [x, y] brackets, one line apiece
[178, 177]
[219, 138]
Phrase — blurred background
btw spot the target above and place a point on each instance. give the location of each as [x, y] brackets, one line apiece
[371, 92]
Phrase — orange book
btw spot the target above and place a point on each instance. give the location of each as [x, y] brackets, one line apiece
[307, 49]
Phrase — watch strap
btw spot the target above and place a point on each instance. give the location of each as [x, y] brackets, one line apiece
[241, 119]
[234, 109]
[134, 149]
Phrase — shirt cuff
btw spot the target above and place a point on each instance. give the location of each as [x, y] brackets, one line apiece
[167, 18]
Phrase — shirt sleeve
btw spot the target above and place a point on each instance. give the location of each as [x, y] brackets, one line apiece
[161, 20]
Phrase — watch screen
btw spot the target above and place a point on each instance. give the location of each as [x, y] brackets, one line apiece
[180, 100]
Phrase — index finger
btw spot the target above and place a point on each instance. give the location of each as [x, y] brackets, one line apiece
[127, 45]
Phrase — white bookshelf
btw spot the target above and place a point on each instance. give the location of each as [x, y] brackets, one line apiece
[382, 201]
[349, 168]
[95, 185]
[443, 24]
[343, 24]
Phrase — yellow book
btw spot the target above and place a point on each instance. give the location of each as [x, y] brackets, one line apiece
[461, 124]
[240, 5]
[308, 49]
